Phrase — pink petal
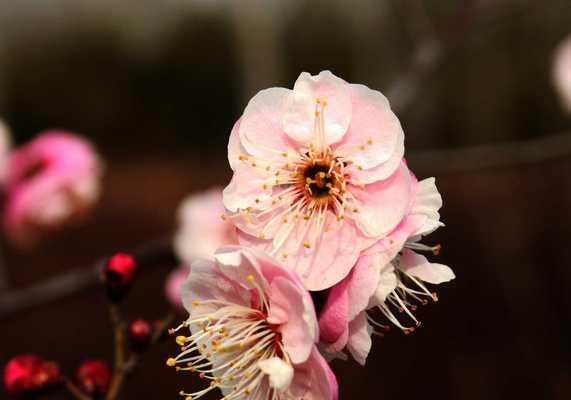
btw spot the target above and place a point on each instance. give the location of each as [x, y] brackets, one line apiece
[381, 171]
[295, 318]
[206, 282]
[261, 130]
[173, 286]
[246, 189]
[299, 118]
[362, 283]
[383, 205]
[334, 317]
[314, 380]
[418, 266]
[374, 133]
[332, 255]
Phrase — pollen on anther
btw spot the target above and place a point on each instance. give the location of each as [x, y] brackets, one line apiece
[250, 278]
[171, 362]
[306, 245]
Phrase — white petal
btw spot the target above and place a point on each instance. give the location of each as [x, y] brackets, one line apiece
[279, 372]
[418, 266]
[360, 343]
[427, 203]
[387, 284]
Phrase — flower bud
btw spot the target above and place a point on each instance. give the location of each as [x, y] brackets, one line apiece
[118, 275]
[25, 374]
[94, 377]
[140, 332]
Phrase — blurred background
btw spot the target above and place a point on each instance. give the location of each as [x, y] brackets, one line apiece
[157, 86]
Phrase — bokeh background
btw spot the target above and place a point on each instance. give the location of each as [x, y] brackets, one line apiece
[157, 86]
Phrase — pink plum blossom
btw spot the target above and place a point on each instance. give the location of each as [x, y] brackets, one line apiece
[387, 275]
[173, 286]
[50, 181]
[253, 330]
[202, 227]
[318, 175]
[562, 73]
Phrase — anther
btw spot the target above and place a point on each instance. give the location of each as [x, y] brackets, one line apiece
[171, 362]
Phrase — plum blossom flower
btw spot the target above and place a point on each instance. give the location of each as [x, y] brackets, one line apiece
[318, 175]
[202, 226]
[562, 73]
[50, 181]
[388, 276]
[252, 330]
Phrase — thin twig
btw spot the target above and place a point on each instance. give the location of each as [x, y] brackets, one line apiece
[119, 333]
[74, 390]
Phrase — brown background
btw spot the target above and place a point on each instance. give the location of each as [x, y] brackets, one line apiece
[159, 99]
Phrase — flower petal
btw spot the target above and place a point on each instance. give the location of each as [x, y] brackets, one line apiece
[295, 318]
[363, 282]
[246, 189]
[418, 266]
[359, 343]
[333, 252]
[387, 283]
[333, 319]
[299, 119]
[382, 205]
[427, 203]
[261, 130]
[374, 133]
[314, 380]
[205, 281]
[279, 372]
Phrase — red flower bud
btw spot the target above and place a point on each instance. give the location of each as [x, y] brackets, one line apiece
[28, 373]
[118, 275]
[94, 377]
[140, 332]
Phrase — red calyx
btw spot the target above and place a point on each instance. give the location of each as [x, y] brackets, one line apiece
[28, 373]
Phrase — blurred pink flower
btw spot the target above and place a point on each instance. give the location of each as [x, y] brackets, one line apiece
[562, 73]
[388, 274]
[173, 286]
[253, 330]
[318, 175]
[202, 228]
[50, 181]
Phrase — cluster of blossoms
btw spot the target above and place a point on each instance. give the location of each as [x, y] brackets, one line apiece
[47, 183]
[322, 210]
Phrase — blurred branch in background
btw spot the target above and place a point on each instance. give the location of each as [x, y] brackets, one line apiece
[66, 284]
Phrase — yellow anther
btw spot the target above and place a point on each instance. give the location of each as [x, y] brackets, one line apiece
[181, 340]
[171, 362]
[171, 331]
[370, 142]
[196, 303]
[284, 154]
[243, 158]
[250, 278]
[306, 245]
